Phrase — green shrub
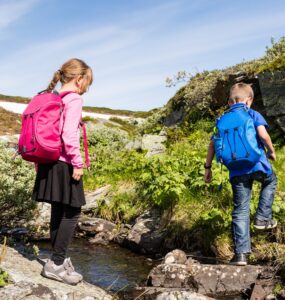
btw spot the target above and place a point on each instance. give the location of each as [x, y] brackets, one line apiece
[4, 278]
[16, 184]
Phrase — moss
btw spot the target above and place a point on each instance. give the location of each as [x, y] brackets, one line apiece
[124, 125]
[4, 278]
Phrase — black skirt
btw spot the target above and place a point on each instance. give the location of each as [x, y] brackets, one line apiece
[54, 183]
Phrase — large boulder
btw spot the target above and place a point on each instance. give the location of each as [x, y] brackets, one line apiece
[29, 284]
[211, 280]
[153, 144]
[272, 86]
[147, 235]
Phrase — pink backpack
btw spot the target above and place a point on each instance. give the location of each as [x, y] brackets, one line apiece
[40, 138]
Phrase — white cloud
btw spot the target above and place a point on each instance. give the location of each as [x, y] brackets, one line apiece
[12, 10]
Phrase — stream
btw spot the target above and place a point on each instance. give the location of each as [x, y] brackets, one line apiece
[110, 267]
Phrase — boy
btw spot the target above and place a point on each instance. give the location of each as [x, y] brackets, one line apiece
[242, 179]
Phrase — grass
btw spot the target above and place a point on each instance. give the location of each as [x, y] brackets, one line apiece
[117, 112]
[16, 99]
[10, 123]
[125, 125]
[93, 109]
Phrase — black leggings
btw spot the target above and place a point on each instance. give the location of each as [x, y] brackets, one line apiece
[63, 221]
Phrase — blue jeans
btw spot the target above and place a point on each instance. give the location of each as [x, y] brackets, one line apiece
[242, 186]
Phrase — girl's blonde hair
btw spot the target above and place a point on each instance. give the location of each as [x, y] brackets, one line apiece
[70, 70]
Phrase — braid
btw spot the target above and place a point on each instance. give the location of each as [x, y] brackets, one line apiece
[56, 78]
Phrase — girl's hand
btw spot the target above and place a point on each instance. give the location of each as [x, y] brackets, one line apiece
[208, 175]
[77, 173]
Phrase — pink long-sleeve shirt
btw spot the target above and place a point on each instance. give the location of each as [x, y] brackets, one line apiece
[71, 118]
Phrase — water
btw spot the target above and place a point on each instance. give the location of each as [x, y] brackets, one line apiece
[109, 267]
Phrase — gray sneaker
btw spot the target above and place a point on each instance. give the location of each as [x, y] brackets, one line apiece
[265, 224]
[60, 273]
[69, 266]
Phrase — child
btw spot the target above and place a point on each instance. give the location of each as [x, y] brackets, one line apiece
[242, 179]
[60, 183]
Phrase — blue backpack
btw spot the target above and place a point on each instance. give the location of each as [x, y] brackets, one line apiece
[236, 144]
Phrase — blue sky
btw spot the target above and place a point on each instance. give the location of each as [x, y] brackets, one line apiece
[132, 45]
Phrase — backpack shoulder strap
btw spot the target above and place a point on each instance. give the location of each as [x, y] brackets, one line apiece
[63, 94]
[85, 144]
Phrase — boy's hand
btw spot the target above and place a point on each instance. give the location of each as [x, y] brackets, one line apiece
[271, 155]
[208, 175]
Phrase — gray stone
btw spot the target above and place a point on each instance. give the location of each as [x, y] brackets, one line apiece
[154, 293]
[29, 284]
[176, 116]
[136, 145]
[204, 279]
[264, 285]
[272, 86]
[39, 225]
[154, 144]
[175, 257]
[10, 140]
[102, 238]
[181, 295]
[95, 225]
[147, 235]
[94, 198]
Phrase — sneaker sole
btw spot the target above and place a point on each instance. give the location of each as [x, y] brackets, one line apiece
[262, 227]
[57, 278]
[239, 264]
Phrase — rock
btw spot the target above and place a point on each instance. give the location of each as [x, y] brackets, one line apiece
[264, 285]
[272, 86]
[121, 235]
[136, 145]
[151, 293]
[39, 225]
[102, 238]
[181, 295]
[146, 236]
[175, 257]
[29, 284]
[154, 144]
[92, 199]
[204, 279]
[175, 117]
[92, 226]
[10, 140]
[27, 290]
[281, 294]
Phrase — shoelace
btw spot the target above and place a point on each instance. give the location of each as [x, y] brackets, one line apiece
[269, 223]
[69, 267]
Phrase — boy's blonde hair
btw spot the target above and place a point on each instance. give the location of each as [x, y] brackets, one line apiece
[71, 69]
[240, 92]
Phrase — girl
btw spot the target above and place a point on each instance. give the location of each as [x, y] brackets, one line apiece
[60, 183]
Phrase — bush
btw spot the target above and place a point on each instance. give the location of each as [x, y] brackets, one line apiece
[16, 184]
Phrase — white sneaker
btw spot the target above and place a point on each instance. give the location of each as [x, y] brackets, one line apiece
[68, 264]
[61, 273]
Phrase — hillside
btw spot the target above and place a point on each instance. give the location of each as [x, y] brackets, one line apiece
[10, 123]
[205, 94]
[93, 109]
